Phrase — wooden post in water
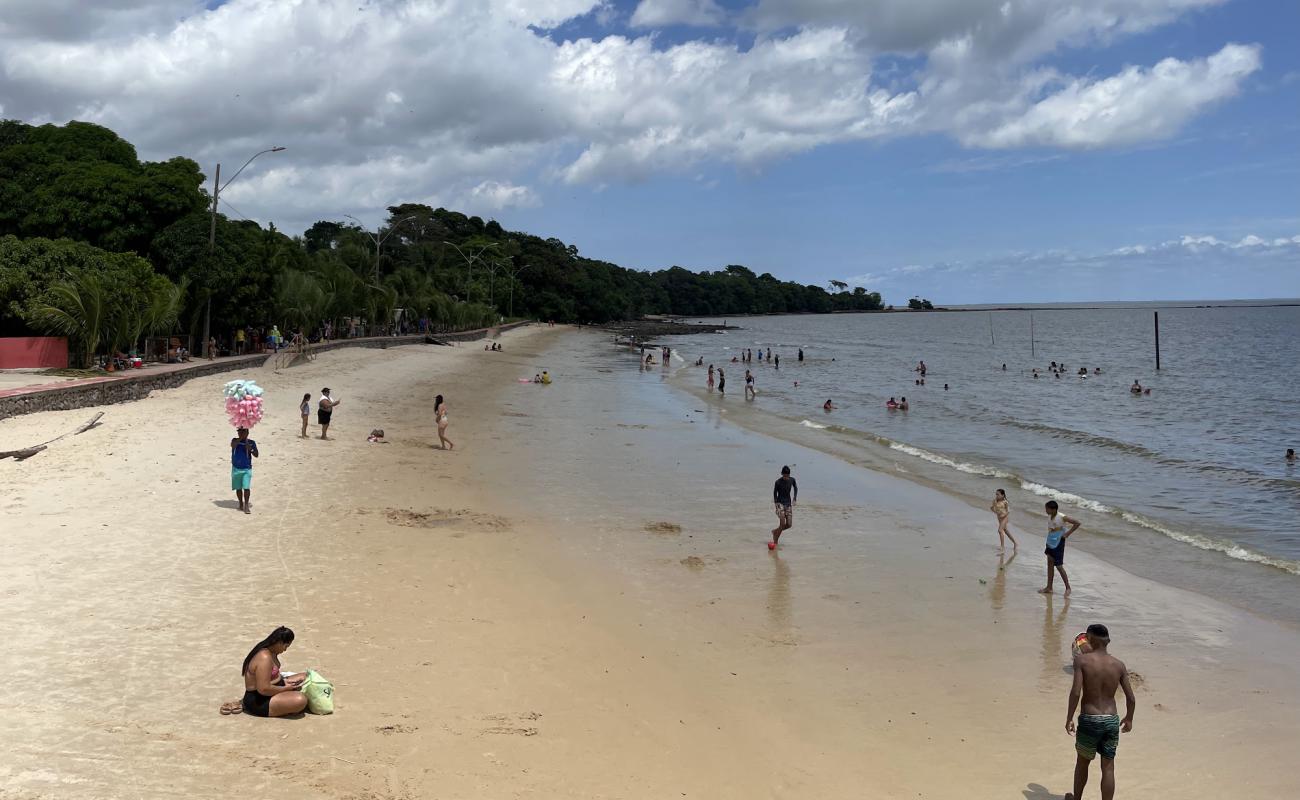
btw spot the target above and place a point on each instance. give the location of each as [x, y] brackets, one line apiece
[992, 341]
[1031, 337]
[1157, 313]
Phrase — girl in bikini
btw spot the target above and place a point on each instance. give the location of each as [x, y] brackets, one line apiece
[266, 692]
[440, 415]
[1002, 509]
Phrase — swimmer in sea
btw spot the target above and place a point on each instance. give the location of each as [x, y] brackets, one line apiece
[829, 406]
[902, 404]
[1097, 676]
[1290, 454]
[1004, 367]
[945, 387]
[892, 404]
[1136, 388]
[800, 355]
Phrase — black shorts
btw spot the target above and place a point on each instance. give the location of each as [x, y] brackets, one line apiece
[323, 417]
[1057, 554]
[256, 703]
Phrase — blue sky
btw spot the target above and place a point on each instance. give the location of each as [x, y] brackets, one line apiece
[963, 150]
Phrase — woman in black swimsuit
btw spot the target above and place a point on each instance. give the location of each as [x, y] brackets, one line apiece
[266, 693]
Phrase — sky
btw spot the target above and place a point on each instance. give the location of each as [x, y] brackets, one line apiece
[966, 151]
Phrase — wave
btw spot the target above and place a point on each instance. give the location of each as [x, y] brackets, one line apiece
[1228, 548]
[1082, 437]
[810, 424]
[1065, 497]
[962, 466]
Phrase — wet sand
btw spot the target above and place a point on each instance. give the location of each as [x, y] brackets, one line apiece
[575, 602]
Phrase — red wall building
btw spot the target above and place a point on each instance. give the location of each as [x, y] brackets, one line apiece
[33, 352]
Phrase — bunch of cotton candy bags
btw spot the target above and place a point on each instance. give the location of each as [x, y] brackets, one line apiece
[243, 403]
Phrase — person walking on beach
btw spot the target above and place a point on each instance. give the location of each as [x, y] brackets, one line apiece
[749, 385]
[1059, 528]
[242, 452]
[325, 410]
[722, 382]
[1097, 676]
[1002, 509]
[785, 493]
[440, 416]
[304, 408]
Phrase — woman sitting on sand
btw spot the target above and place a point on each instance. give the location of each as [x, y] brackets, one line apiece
[266, 693]
[440, 416]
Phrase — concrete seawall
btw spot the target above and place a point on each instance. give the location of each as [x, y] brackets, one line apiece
[111, 389]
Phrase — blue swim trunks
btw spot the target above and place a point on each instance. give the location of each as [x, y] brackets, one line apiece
[241, 478]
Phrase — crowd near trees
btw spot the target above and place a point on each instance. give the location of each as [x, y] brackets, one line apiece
[105, 249]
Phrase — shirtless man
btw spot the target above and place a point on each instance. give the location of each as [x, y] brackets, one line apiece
[1097, 676]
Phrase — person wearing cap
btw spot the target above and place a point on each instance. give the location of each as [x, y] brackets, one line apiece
[325, 410]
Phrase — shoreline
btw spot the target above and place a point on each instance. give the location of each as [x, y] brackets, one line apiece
[493, 614]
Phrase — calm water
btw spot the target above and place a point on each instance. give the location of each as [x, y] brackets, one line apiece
[1176, 485]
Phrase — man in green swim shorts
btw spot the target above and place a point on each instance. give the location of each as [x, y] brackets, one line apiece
[1097, 676]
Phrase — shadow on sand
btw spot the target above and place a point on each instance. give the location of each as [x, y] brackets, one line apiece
[1036, 791]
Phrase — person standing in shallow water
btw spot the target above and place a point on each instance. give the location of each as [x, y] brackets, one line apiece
[1097, 676]
[785, 493]
[722, 382]
[710, 383]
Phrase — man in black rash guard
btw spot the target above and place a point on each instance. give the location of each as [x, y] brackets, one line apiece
[784, 495]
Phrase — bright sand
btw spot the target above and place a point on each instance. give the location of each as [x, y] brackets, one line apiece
[520, 618]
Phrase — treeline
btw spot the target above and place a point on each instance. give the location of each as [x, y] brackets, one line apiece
[105, 248]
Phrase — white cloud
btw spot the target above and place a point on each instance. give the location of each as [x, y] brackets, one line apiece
[659, 13]
[495, 195]
[1136, 105]
[382, 101]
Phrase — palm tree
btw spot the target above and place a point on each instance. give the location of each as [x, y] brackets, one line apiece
[78, 308]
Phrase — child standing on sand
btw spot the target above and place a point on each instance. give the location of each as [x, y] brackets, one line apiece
[1059, 528]
[1002, 509]
[304, 408]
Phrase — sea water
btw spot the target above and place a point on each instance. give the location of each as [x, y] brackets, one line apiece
[1188, 484]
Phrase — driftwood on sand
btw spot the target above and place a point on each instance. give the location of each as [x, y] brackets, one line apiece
[28, 452]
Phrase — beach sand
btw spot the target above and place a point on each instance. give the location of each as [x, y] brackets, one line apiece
[575, 602]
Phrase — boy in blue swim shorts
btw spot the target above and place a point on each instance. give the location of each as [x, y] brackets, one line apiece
[1097, 676]
[1059, 528]
[242, 452]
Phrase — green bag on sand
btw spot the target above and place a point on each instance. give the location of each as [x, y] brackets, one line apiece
[319, 692]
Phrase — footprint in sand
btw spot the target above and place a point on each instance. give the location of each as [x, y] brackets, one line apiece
[389, 730]
[697, 563]
[445, 518]
[663, 527]
[512, 724]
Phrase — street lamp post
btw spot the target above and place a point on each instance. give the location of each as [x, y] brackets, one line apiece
[513, 275]
[469, 261]
[379, 240]
[217, 187]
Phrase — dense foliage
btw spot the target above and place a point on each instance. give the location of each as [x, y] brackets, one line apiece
[98, 245]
